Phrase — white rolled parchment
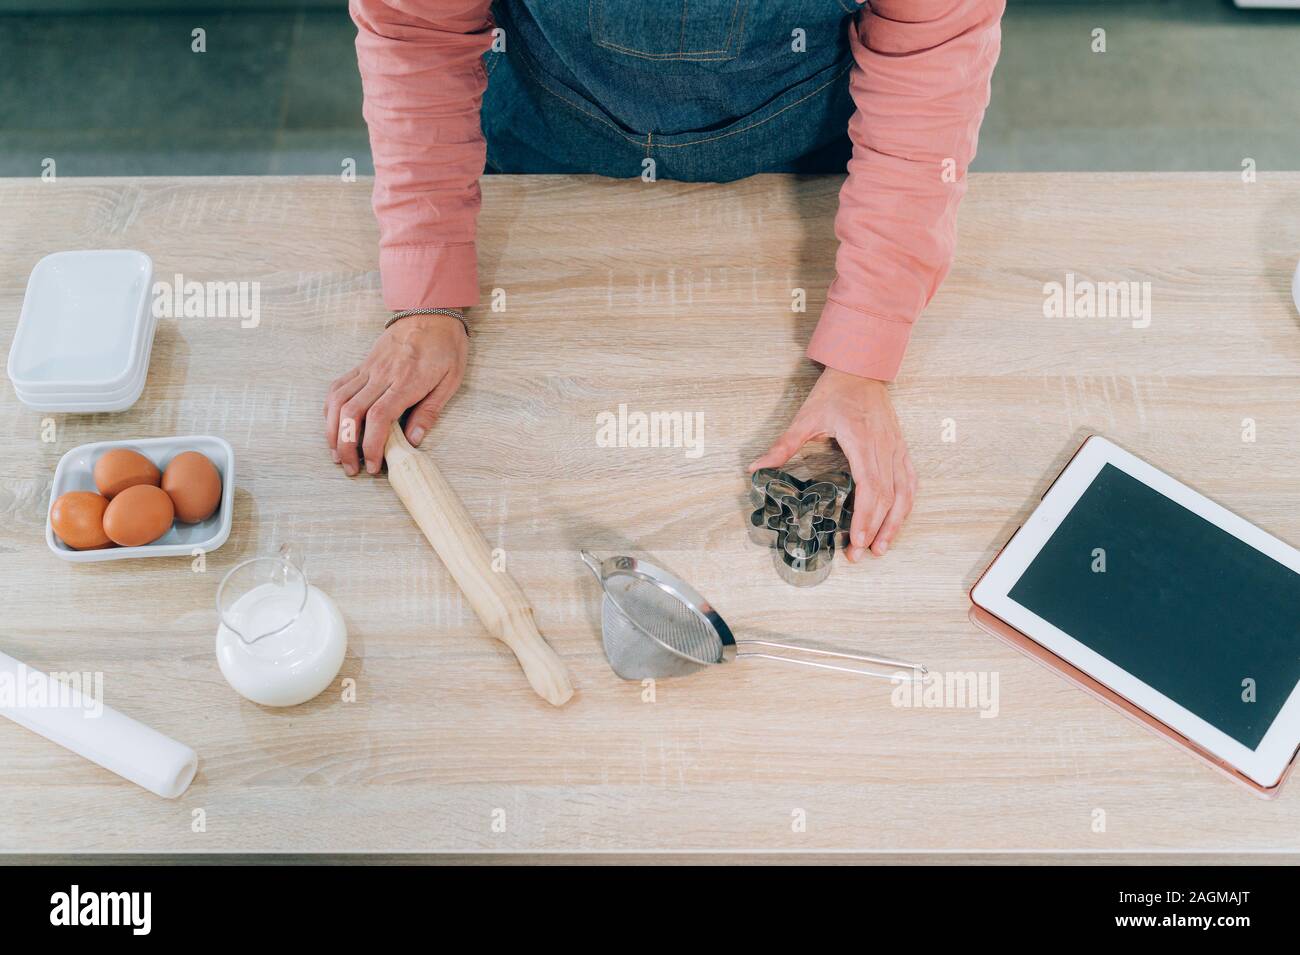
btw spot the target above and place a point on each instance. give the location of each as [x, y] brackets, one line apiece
[78, 720]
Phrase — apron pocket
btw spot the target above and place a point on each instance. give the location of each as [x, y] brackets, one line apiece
[663, 30]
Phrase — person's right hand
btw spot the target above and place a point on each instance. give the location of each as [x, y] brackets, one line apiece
[418, 362]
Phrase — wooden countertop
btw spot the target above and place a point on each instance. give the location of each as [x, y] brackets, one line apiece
[664, 297]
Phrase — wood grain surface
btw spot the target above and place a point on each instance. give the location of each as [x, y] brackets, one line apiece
[663, 297]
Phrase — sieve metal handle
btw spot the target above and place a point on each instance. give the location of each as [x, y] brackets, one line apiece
[593, 564]
[919, 670]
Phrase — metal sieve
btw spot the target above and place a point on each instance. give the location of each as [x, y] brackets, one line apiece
[654, 625]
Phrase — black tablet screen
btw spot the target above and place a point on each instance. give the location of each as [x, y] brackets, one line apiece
[1184, 606]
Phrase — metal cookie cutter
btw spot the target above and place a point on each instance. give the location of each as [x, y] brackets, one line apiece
[804, 522]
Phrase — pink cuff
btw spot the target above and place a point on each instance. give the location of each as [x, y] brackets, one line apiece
[429, 276]
[859, 343]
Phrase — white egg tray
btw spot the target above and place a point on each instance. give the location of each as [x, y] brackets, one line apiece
[75, 472]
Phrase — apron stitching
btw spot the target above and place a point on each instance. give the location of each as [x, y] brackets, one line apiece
[587, 113]
[694, 54]
[681, 53]
[709, 139]
[738, 29]
[694, 142]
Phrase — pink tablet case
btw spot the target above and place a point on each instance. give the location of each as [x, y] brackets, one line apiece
[1004, 631]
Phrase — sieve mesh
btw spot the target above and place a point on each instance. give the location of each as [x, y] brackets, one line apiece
[632, 654]
[642, 609]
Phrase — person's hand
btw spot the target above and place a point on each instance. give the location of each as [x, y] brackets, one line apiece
[858, 414]
[418, 361]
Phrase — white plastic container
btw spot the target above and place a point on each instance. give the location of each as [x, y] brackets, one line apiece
[75, 472]
[85, 332]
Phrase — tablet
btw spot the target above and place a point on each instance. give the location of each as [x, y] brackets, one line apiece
[1162, 602]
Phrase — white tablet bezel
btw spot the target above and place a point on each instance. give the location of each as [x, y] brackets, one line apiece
[1265, 764]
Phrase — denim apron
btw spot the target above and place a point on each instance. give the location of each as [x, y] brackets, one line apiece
[710, 90]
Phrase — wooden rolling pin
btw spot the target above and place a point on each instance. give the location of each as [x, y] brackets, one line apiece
[494, 595]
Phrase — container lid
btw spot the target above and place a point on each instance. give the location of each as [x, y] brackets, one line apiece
[83, 324]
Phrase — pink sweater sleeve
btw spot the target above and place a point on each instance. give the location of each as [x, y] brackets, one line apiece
[423, 78]
[920, 82]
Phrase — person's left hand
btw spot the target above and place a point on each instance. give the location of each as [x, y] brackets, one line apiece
[858, 414]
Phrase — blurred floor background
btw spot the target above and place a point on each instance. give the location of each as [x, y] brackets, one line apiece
[112, 88]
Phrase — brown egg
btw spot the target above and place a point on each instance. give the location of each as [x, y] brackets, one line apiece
[119, 469]
[138, 515]
[194, 485]
[78, 518]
